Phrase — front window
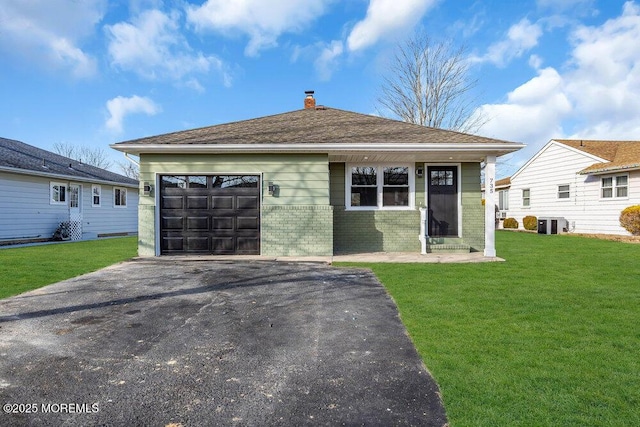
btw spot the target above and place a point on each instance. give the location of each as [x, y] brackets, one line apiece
[120, 197]
[614, 187]
[364, 186]
[526, 197]
[564, 191]
[379, 186]
[57, 193]
[395, 188]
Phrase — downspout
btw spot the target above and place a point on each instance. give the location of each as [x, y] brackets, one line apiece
[126, 155]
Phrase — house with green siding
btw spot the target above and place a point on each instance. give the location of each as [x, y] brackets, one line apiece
[315, 182]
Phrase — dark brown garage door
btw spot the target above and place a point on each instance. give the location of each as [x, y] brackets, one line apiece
[210, 214]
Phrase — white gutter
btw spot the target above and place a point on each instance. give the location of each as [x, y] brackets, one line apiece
[315, 148]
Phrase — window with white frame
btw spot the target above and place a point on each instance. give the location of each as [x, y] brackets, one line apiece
[96, 195]
[503, 200]
[120, 197]
[614, 187]
[57, 193]
[564, 191]
[379, 186]
[526, 197]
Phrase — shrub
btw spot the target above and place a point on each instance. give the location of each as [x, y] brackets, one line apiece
[530, 222]
[630, 219]
[510, 223]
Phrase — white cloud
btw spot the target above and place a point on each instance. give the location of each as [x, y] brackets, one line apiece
[605, 80]
[263, 21]
[327, 61]
[533, 112]
[597, 96]
[153, 47]
[121, 106]
[384, 18]
[49, 32]
[520, 38]
[564, 4]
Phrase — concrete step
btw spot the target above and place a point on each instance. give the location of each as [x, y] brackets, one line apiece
[447, 245]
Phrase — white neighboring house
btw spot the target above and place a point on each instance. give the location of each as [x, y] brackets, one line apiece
[39, 190]
[586, 182]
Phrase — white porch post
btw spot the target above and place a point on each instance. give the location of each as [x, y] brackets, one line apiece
[423, 231]
[489, 207]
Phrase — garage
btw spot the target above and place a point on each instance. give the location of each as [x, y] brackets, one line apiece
[210, 214]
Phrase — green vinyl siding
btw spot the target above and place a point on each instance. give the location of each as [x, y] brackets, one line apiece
[301, 179]
[336, 182]
[300, 205]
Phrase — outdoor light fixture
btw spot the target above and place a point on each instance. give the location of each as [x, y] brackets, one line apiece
[419, 171]
[272, 188]
[147, 189]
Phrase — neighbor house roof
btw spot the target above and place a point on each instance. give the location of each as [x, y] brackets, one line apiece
[620, 155]
[319, 129]
[18, 157]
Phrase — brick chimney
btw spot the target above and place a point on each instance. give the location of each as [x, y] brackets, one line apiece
[309, 100]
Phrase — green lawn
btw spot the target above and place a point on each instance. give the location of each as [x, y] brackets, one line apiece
[26, 268]
[551, 337]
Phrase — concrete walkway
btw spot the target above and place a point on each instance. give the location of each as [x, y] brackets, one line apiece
[372, 257]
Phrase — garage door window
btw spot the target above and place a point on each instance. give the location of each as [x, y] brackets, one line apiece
[234, 181]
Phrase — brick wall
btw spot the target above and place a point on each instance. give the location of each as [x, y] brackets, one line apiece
[297, 230]
[375, 231]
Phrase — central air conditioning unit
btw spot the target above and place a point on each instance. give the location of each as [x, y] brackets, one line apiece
[551, 225]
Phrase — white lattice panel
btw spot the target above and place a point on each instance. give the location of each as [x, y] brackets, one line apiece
[75, 226]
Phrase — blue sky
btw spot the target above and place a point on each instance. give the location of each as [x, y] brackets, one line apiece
[95, 72]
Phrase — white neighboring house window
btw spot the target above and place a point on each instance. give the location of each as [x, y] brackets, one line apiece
[57, 193]
[564, 191]
[503, 200]
[120, 197]
[526, 197]
[96, 195]
[614, 187]
[379, 186]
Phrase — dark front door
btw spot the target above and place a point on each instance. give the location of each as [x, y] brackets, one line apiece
[442, 182]
[210, 214]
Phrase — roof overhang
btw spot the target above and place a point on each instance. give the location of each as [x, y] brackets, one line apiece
[70, 178]
[605, 169]
[477, 151]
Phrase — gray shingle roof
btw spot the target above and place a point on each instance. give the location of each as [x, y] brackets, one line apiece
[18, 156]
[321, 125]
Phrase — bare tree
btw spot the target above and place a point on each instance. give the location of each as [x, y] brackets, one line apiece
[129, 170]
[428, 84]
[93, 156]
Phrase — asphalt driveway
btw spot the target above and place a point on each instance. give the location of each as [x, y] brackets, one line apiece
[174, 342]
